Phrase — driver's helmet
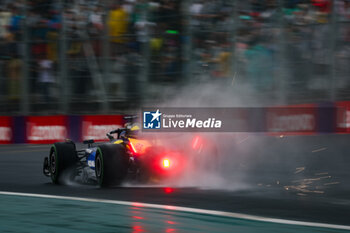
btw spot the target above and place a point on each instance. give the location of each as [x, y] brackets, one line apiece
[122, 134]
[133, 129]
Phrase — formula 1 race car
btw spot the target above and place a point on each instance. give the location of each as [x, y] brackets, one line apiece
[126, 157]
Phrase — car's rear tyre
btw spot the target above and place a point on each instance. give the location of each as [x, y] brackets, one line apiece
[62, 160]
[111, 164]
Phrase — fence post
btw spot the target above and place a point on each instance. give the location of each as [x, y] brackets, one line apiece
[106, 55]
[187, 40]
[333, 42]
[65, 87]
[24, 103]
[283, 70]
[145, 58]
[233, 35]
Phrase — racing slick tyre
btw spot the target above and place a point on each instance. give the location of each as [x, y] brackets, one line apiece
[62, 160]
[111, 164]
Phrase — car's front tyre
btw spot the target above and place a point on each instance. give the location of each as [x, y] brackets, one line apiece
[62, 160]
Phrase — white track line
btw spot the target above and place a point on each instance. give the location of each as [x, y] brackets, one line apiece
[183, 209]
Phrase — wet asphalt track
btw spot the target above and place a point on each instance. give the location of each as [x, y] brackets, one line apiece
[21, 171]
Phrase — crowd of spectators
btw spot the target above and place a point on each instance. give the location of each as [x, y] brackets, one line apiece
[297, 33]
[247, 41]
[28, 31]
[126, 26]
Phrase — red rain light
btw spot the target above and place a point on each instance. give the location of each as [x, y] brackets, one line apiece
[166, 163]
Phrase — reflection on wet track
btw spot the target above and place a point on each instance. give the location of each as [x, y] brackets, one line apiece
[56, 215]
[52, 215]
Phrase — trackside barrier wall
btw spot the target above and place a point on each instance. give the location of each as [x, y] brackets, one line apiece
[6, 130]
[96, 126]
[296, 119]
[306, 119]
[50, 129]
[343, 117]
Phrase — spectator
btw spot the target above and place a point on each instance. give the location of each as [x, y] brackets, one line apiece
[15, 23]
[259, 65]
[5, 20]
[96, 29]
[46, 78]
[132, 62]
[117, 25]
[9, 47]
[223, 62]
[79, 74]
[14, 74]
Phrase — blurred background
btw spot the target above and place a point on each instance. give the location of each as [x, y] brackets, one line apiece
[107, 56]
